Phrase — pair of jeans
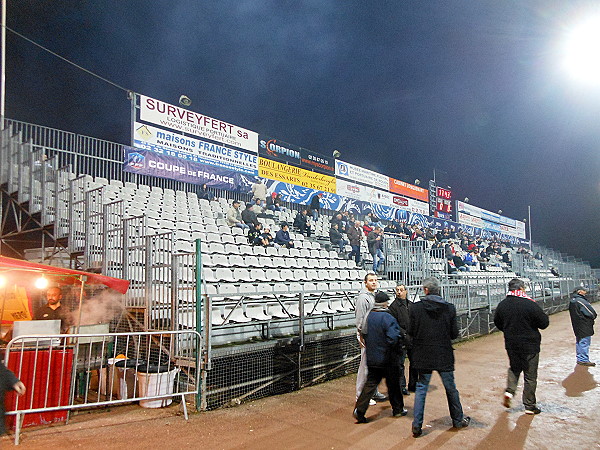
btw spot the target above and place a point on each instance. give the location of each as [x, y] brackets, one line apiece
[582, 346]
[452, 395]
[392, 381]
[378, 258]
[528, 364]
[356, 253]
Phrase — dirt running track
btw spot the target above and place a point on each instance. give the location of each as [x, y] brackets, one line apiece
[320, 416]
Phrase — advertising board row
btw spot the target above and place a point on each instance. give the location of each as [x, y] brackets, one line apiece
[472, 215]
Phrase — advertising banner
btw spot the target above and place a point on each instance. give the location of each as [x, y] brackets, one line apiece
[167, 143]
[318, 162]
[472, 215]
[351, 190]
[146, 162]
[365, 176]
[278, 150]
[408, 190]
[274, 170]
[186, 121]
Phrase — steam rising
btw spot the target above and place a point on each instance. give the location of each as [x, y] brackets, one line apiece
[101, 308]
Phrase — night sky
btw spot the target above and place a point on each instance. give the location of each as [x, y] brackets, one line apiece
[475, 89]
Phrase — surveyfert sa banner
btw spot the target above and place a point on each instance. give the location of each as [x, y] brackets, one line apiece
[274, 170]
[186, 121]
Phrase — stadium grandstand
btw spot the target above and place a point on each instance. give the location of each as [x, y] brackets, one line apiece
[272, 318]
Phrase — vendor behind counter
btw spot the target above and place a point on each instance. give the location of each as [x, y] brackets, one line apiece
[54, 310]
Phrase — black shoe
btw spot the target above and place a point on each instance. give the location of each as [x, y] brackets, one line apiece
[464, 423]
[534, 410]
[360, 418]
[401, 413]
[416, 431]
[405, 391]
[379, 397]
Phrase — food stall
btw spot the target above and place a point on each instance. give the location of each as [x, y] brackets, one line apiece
[46, 367]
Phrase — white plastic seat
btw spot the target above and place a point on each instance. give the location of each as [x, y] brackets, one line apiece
[258, 275]
[247, 289]
[227, 239]
[240, 239]
[228, 291]
[236, 261]
[278, 261]
[242, 275]
[312, 275]
[216, 316]
[343, 275]
[224, 229]
[236, 231]
[276, 311]
[256, 311]
[232, 249]
[280, 288]
[243, 249]
[299, 274]
[272, 251]
[273, 274]
[235, 314]
[294, 253]
[286, 274]
[208, 275]
[224, 274]
[257, 250]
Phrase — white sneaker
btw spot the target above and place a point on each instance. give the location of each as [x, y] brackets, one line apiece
[507, 398]
[372, 402]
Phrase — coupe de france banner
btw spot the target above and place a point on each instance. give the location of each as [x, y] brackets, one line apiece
[185, 121]
[167, 143]
[146, 162]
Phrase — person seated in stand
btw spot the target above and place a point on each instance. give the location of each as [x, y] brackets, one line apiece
[337, 238]
[282, 237]
[339, 221]
[506, 259]
[204, 194]
[554, 272]
[301, 222]
[257, 207]
[271, 205]
[53, 309]
[470, 259]
[249, 216]
[459, 263]
[265, 239]
[254, 232]
[234, 216]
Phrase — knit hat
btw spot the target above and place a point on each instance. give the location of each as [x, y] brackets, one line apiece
[380, 298]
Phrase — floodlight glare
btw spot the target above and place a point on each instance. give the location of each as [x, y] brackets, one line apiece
[2, 281]
[582, 51]
[41, 283]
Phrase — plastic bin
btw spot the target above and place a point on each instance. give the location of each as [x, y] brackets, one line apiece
[126, 369]
[155, 380]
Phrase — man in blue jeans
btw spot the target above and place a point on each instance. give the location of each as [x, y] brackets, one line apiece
[582, 319]
[432, 327]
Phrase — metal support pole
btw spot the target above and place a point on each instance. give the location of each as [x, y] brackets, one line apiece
[3, 70]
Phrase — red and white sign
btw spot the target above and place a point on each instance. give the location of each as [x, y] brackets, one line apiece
[186, 121]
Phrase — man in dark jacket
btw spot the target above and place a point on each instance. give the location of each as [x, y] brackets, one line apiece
[582, 319]
[400, 309]
[8, 381]
[521, 318]
[315, 204]
[375, 245]
[301, 222]
[354, 236]
[432, 328]
[249, 216]
[381, 335]
[282, 237]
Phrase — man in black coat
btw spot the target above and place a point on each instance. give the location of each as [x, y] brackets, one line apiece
[301, 222]
[582, 319]
[521, 318]
[8, 381]
[381, 334]
[400, 308]
[432, 327]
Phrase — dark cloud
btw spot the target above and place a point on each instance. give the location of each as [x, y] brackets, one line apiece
[473, 89]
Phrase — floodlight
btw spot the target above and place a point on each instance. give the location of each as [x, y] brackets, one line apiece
[41, 283]
[582, 51]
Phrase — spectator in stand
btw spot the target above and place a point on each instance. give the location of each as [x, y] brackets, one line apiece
[265, 239]
[337, 238]
[259, 191]
[249, 216]
[355, 235]
[204, 194]
[554, 272]
[367, 228]
[449, 250]
[375, 244]
[338, 220]
[470, 259]
[234, 217]
[482, 259]
[282, 237]
[315, 204]
[459, 262]
[257, 207]
[254, 232]
[417, 233]
[451, 267]
[506, 258]
[271, 205]
[301, 222]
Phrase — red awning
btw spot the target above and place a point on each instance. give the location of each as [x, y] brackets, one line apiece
[60, 275]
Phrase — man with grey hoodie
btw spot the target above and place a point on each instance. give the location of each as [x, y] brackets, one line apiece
[362, 307]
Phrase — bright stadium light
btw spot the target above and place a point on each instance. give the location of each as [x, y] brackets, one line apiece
[582, 51]
[2, 281]
[41, 283]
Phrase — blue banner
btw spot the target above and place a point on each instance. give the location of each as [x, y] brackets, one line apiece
[146, 162]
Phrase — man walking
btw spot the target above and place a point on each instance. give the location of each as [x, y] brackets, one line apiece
[381, 335]
[582, 319]
[432, 328]
[363, 304]
[521, 318]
